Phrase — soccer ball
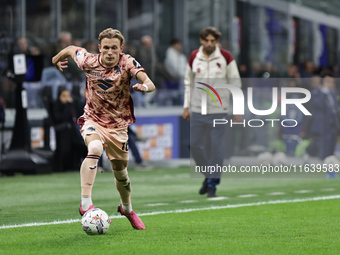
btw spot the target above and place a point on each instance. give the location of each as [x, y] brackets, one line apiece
[95, 222]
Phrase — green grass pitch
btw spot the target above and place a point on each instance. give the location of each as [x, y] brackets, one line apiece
[281, 225]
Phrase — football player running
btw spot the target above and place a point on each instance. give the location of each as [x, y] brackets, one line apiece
[107, 113]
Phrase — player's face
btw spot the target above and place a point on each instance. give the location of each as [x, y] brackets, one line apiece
[109, 49]
[209, 44]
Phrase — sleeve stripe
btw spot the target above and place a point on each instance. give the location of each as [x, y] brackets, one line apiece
[227, 55]
[192, 57]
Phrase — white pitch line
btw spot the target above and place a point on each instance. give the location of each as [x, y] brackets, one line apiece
[297, 200]
[303, 191]
[247, 195]
[328, 189]
[188, 201]
[157, 204]
[216, 198]
[276, 193]
[36, 224]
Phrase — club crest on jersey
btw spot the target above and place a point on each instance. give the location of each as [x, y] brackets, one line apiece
[104, 84]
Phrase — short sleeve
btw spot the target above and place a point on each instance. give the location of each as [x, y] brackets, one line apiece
[80, 57]
[134, 66]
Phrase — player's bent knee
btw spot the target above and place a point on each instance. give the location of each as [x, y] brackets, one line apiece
[123, 178]
[121, 175]
[119, 165]
[95, 147]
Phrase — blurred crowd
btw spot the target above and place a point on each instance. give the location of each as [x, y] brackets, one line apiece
[167, 70]
[167, 73]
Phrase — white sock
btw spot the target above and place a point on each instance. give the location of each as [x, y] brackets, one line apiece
[127, 208]
[86, 202]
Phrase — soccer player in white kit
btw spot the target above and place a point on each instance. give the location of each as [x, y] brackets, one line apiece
[107, 113]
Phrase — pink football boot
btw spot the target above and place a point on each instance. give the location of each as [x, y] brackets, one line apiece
[82, 212]
[135, 221]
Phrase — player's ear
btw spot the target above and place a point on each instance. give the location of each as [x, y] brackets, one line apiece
[121, 48]
[100, 49]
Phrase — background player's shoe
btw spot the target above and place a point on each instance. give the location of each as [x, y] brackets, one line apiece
[135, 221]
[82, 212]
[204, 188]
[211, 192]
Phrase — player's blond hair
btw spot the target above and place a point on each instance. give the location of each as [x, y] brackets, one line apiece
[111, 33]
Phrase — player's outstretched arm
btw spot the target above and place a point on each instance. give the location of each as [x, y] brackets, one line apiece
[145, 85]
[60, 60]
